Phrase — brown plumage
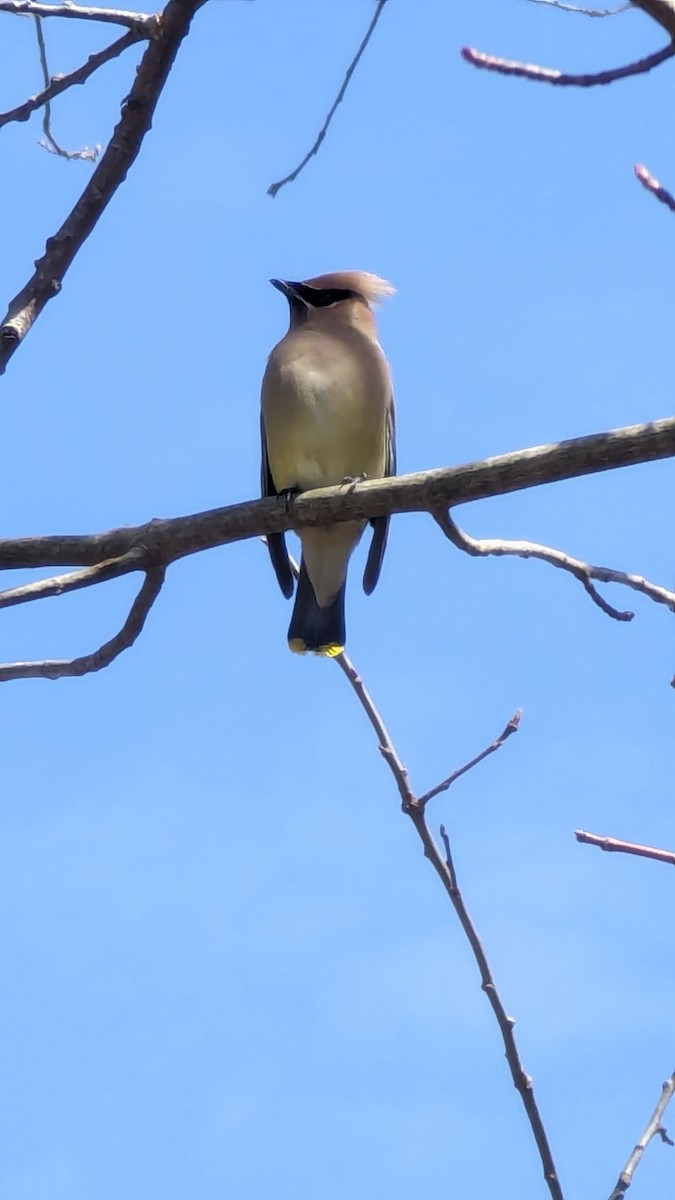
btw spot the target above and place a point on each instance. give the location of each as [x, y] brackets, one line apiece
[327, 417]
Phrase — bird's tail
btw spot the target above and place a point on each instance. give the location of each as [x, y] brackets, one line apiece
[321, 630]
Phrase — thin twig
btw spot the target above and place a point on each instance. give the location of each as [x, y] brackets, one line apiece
[59, 585]
[275, 187]
[512, 727]
[111, 170]
[50, 143]
[56, 668]
[144, 23]
[654, 1129]
[521, 1080]
[652, 185]
[584, 572]
[386, 746]
[59, 83]
[444, 868]
[505, 66]
[586, 12]
[615, 844]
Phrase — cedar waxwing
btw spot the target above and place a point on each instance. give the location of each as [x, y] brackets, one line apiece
[327, 418]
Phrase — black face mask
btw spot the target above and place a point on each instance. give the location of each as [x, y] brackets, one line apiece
[321, 297]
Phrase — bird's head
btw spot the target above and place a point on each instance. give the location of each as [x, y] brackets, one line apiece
[344, 296]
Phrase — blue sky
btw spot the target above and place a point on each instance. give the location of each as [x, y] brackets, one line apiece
[227, 968]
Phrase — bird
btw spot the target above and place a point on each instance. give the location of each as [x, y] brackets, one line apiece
[327, 417]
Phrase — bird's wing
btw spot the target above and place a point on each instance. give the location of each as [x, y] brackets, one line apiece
[276, 542]
[381, 524]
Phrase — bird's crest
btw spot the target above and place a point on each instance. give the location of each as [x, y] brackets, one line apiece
[371, 287]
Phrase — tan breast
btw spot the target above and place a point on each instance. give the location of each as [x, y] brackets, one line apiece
[325, 401]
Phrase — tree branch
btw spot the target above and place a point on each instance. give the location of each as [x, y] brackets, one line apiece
[512, 727]
[614, 844]
[275, 187]
[134, 560]
[59, 83]
[505, 66]
[152, 547]
[584, 572]
[661, 11]
[49, 142]
[521, 1080]
[121, 152]
[144, 23]
[654, 1129]
[586, 12]
[443, 865]
[55, 668]
[163, 541]
[652, 185]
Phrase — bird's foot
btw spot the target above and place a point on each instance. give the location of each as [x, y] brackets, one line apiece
[352, 480]
[287, 496]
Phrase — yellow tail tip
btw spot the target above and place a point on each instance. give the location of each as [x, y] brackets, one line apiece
[330, 650]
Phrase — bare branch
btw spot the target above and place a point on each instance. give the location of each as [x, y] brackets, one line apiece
[386, 746]
[661, 11]
[158, 543]
[60, 584]
[586, 12]
[49, 142]
[584, 572]
[512, 727]
[505, 66]
[652, 185]
[427, 491]
[110, 172]
[521, 1080]
[59, 83]
[444, 868]
[275, 187]
[614, 844]
[54, 668]
[144, 23]
[654, 1129]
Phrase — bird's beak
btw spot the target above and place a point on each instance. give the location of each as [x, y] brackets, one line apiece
[289, 290]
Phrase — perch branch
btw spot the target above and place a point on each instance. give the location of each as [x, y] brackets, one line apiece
[275, 187]
[615, 844]
[584, 572]
[505, 66]
[166, 540]
[120, 154]
[160, 542]
[59, 83]
[427, 491]
[55, 668]
[144, 23]
[443, 865]
[654, 1129]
